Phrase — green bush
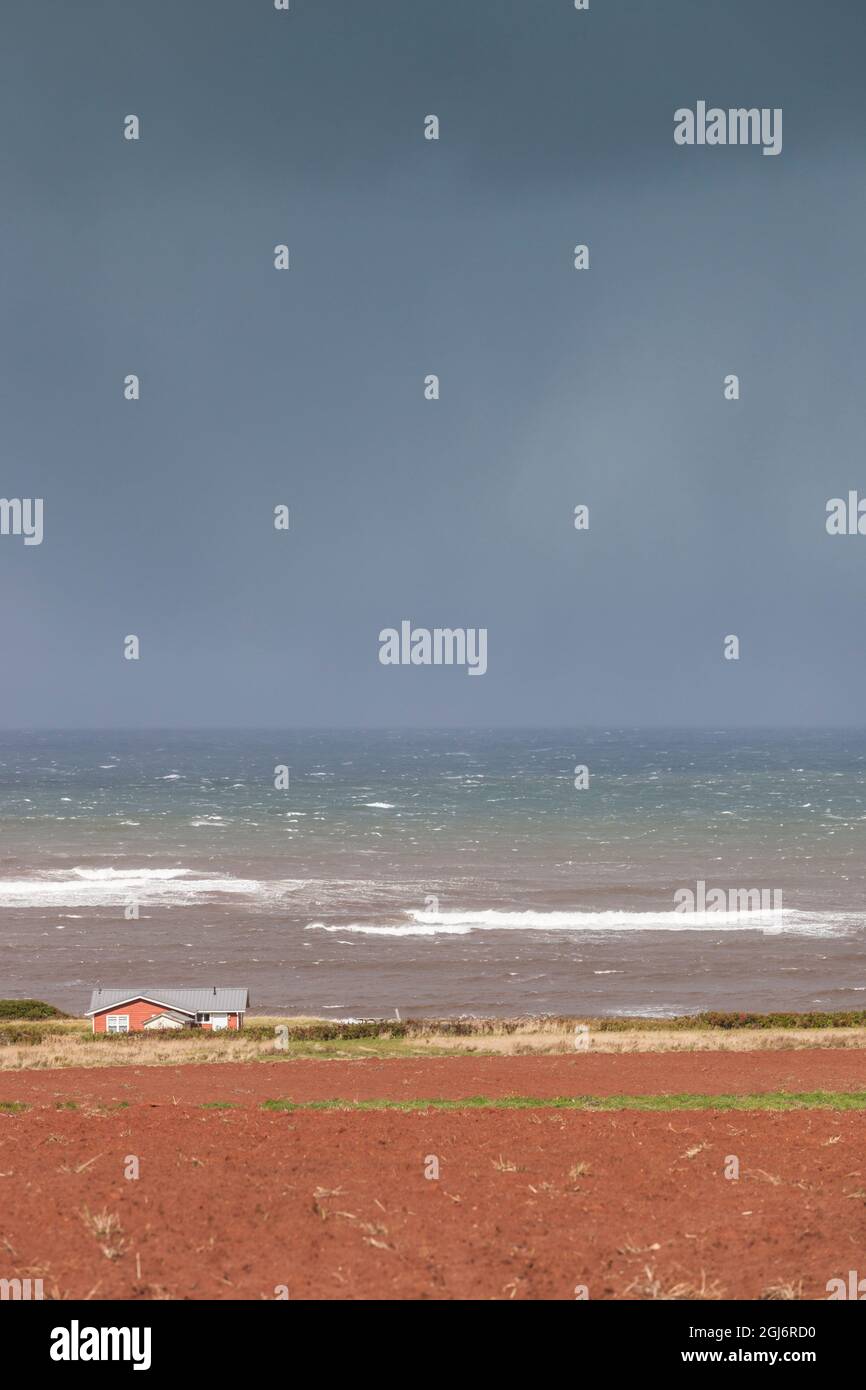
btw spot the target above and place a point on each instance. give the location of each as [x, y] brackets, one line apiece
[28, 1008]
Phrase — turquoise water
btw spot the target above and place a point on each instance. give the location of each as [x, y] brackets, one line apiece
[438, 872]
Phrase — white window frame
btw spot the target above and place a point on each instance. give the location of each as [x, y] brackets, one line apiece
[121, 1022]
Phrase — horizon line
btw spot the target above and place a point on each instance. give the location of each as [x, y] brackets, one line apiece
[425, 728]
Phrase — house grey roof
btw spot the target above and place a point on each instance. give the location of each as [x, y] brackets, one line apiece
[168, 1013]
[220, 999]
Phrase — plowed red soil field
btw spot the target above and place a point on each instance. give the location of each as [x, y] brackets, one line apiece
[597, 1074]
[248, 1203]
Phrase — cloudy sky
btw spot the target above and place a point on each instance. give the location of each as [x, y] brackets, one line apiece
[410, 257]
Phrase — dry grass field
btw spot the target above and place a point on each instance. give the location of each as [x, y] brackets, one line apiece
[69, 1043]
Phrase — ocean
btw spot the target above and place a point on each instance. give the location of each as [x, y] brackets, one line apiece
[438, 873]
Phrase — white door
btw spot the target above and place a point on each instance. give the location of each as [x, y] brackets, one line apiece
[219, 1021]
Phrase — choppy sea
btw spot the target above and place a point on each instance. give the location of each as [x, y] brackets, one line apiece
[438, 872]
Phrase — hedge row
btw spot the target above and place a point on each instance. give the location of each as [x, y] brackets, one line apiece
[457, 1028]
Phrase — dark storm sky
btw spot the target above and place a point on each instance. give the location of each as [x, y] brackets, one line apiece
[411, 257]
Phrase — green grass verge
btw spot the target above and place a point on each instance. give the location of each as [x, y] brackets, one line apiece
[11, 1107]
[769, 1100]
[507, 1027]
[31, 1021]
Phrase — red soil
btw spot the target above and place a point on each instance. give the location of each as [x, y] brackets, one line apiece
[598, 1074]
[234, 1203]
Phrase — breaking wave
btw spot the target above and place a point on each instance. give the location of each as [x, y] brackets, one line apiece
[107, 887]
[766, 920]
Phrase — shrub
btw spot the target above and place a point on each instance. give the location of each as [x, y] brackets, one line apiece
[28, 1008]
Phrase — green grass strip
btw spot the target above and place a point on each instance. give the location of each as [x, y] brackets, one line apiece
[12, 1107]
[768, 1100]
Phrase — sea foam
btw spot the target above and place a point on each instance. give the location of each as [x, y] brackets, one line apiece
[768, 921]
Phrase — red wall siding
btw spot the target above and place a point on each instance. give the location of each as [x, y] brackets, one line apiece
[140, 1010]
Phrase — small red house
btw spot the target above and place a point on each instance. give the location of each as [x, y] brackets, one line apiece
[129, 1010]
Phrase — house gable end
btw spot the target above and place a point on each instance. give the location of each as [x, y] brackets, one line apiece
[136, 999]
